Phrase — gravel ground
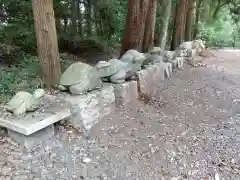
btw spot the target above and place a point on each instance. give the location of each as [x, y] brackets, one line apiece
[189, 130]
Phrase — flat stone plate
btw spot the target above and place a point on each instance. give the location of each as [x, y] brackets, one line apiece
[53, 111]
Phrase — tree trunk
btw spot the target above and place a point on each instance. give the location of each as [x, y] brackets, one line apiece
[79, 15]
[74, 17]
[178, 31]
[165, 14]
[58, 24]
[89, 17]
[197, 19]
[135, 24]
[47, 43]
[183, 24]
[189, 20]
[148, 40]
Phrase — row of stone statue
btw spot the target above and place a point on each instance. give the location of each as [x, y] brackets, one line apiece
[80, 78]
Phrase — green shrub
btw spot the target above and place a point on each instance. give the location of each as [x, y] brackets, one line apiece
[24, 77]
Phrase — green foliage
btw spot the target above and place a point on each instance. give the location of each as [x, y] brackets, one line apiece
[24, 77]
[219, 32]
[19, 34]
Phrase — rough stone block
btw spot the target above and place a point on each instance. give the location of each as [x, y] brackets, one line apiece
[148, 79]
[33, 139]
[52, 111]
[87, 110]
[126, 93]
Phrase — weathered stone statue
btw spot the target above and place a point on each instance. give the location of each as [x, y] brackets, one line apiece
[24, 102]
[191, 45]
[80, 78]
[175, 57]
[119, 70]
[156, 56]
[128, 56]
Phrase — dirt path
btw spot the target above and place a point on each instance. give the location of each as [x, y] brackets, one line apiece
[190, 130]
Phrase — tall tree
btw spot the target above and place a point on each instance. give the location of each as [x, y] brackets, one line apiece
[189, 19]
[79, 15]
[135, 25]
[197, 19]
[149, 26]
[74, 17]
[165, 14]
[88, 7]
[47, 41]
[179, 24]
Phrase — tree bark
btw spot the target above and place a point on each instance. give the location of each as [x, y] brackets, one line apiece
[74, 17]
[197, 19]
[148, 39]
[165, 13]
[79, 15]
[189, 20]
[47, 43]
[183, 24]
[179, 24]
[135, 24]
[89, 17]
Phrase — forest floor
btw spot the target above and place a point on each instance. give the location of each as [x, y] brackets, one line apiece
[189, 130]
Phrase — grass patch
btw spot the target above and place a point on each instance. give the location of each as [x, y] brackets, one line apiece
[24, 77]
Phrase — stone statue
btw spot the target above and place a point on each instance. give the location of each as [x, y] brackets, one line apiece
[24, 102]
[190, 45]
[175, 57]
[119, 70]
[80, 78]
[154, 57]
[128, 56]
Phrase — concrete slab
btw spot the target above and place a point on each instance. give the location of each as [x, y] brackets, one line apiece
[50, 113]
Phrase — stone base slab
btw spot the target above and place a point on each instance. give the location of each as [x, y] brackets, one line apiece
[148, 79]
[87, 110]
[32, 122]
[126, 93]
[34, 139]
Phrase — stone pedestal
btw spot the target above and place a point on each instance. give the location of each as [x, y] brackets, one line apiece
[148, 79]
[126, 93]
[33, 128]
[33, 139]
[87, 110]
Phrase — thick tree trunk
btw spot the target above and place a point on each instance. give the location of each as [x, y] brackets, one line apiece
[47, 43]
[179, 24]
[189, 20]
[165, 14]
[148, 40]
[135, 25]
[74, 17]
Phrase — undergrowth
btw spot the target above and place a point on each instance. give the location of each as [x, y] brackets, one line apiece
[24, 77]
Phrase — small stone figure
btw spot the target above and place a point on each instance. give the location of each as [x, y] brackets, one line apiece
[24, 102]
